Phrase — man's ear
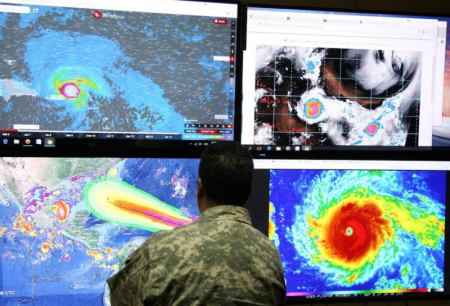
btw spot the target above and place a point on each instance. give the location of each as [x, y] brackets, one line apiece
[253, 187]
[202, 201]
[200, 189]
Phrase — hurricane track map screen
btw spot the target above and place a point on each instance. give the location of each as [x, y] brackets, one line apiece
[65, 226]
[109, 69]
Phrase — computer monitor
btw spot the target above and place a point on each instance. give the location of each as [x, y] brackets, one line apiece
[356, 230]
[158, 72]
[321, 79]
[68, 224]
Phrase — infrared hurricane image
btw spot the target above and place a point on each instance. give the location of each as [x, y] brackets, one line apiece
[336, 97]
[68, 69]
[68, 224]
[350, 232]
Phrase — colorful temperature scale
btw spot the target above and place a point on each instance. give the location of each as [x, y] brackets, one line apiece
[363, 292]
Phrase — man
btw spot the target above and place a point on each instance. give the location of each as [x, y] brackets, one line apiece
[220, 259]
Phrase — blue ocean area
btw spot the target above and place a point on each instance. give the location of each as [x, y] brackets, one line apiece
[143, 94]
[84, 58]
[192, 38]
[217, 67]
[37, 12]
[143, 174]
[2, 23]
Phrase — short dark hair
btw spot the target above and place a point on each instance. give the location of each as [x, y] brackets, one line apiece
[226, 171]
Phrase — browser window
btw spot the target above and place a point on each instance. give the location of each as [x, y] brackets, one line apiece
[140, 70]
[314, 79]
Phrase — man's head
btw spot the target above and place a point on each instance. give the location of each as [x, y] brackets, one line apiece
[225, 175]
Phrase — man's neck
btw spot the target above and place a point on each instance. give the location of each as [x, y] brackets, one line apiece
[204, 205]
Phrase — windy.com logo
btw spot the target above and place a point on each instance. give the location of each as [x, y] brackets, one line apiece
[98, 14]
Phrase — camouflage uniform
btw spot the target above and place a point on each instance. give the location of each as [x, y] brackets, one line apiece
[220, 259]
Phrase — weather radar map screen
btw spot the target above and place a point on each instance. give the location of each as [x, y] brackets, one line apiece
[346, 233]
[153, 70]
[314, 80]
[68, 224]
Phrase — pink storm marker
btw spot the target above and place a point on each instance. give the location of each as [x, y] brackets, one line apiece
[371, 129]
[70, 91]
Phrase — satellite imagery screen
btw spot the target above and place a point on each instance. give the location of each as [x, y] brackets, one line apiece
[84, 70]
[68, 224]
[313, 96]
[354, 232]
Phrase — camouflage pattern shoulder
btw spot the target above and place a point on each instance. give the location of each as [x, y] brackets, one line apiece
[218, 260]
[127, 287]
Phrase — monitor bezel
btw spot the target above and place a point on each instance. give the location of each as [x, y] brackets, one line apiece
[262, 224]
[190, 147]
[334, 149]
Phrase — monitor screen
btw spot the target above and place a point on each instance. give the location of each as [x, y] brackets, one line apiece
[320, 79]
[142, 70]
[357, 229]
[68, 224]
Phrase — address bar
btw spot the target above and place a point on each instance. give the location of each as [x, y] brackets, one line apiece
[14, 9]
[347, 29]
